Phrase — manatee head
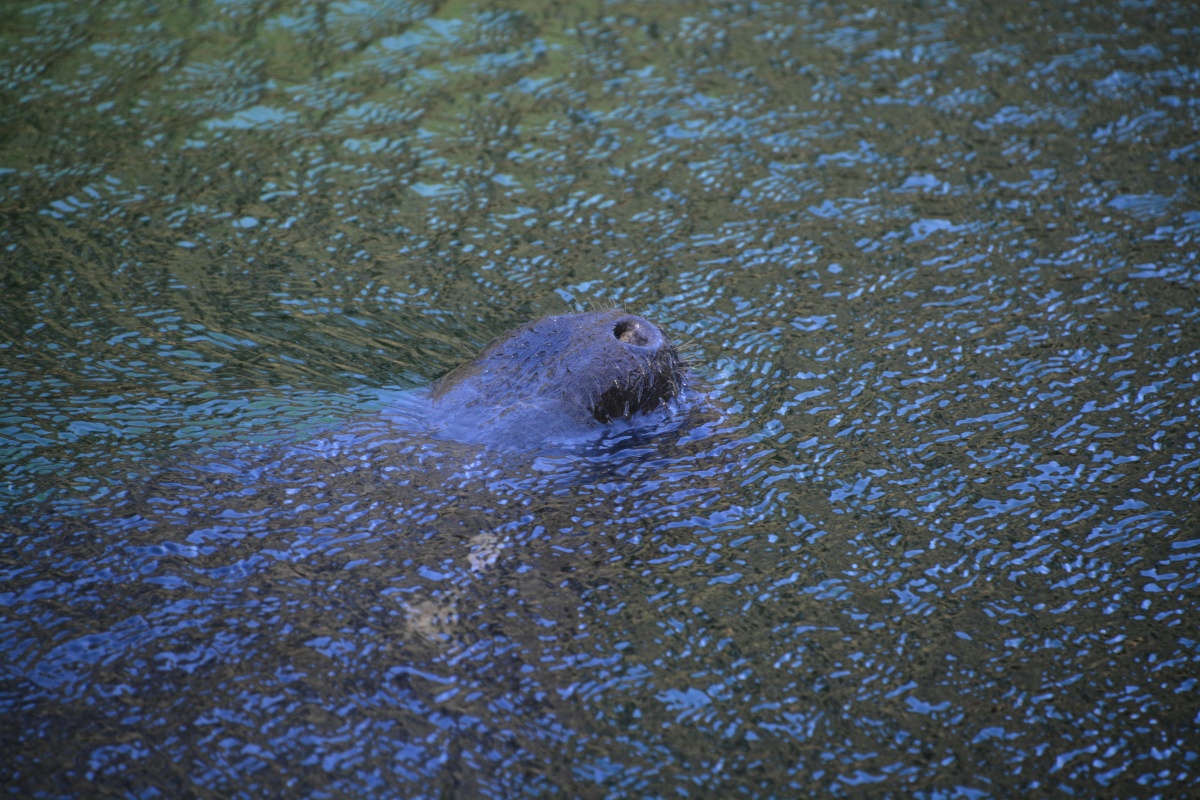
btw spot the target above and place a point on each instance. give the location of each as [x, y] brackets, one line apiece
[561, 376]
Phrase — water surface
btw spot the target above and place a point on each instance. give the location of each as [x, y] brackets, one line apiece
[930, 533]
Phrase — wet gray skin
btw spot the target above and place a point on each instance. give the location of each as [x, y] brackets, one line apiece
[935, 535]
[560, 378]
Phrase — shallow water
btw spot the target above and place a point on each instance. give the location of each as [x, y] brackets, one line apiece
[929, 532]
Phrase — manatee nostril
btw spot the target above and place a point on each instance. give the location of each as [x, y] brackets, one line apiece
[633, 331]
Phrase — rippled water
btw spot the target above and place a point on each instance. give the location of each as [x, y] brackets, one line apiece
[929, 529]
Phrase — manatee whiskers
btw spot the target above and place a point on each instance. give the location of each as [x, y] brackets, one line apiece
[601, 305]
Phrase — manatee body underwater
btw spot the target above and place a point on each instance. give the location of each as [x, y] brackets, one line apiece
[554, 385]
[558, 382]
[561, 378]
